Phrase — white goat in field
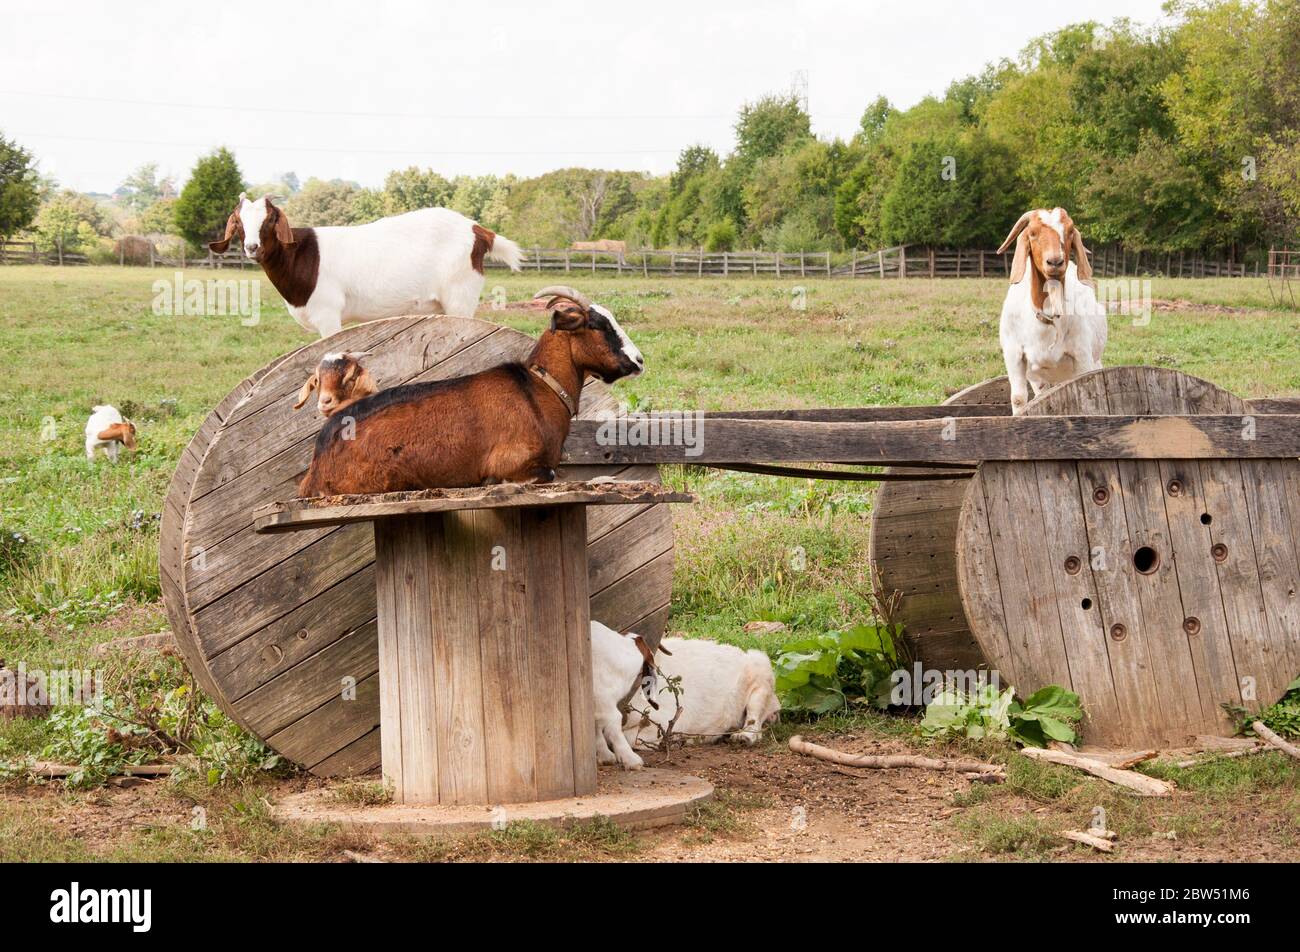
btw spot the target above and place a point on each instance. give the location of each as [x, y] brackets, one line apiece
[108, 430]
[1053, 328]
[428, 261]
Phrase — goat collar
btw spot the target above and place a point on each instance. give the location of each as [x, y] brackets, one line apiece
[545, 377]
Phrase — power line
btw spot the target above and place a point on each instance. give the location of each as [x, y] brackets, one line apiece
[352, 113]
[338, 151]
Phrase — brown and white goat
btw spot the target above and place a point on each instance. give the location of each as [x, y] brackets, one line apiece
[1052, 327]
[108, 430]
[429, 261]
[506, 424]
[341, 380]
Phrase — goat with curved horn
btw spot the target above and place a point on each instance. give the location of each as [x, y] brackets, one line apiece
[553, 291]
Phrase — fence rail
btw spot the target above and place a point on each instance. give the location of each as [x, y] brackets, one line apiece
[900, 261]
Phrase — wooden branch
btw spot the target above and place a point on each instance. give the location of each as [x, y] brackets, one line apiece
[1101, 843]
[888, 761]
[1273, 739]
[723, 440]
[53, 771]
[1212, 755]
[1138, 783]
[1136, 759]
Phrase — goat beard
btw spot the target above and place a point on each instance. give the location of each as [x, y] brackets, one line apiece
[1053, 297]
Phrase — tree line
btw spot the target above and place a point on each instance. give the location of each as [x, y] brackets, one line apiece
[1181, 137]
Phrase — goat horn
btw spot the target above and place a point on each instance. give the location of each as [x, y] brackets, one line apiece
[560, 290]
[1016, 229]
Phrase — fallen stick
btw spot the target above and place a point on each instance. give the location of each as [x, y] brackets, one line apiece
[53, 771]
[1268, 736]
[1103, 844]
[887, 761]
[1227, 754]
[1135, 760]
[1138, 783]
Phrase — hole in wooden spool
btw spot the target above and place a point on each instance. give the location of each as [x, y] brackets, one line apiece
[1219, 551]
[1175, 487]
[1206, 518]
[1191, 625]
[1118, 632]
[1101, 495]
[1072, 565]
[1146, 560]
[1086, 604]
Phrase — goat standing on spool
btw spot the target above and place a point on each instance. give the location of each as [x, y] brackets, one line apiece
[428, 261]
[506, 424]
[1053, 327]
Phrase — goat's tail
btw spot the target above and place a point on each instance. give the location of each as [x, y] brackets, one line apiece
[507, 252]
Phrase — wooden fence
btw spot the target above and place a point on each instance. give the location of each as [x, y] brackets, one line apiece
[900, 261]
[679, 263]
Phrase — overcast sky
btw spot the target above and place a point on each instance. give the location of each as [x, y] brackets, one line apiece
[352, 90]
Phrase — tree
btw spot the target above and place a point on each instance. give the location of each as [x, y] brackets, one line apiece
[143, 188]
[69, 221]
[412, 188]
[767, 127]
[322, 203]
[20, 188]
[159, 218]
[208, 197]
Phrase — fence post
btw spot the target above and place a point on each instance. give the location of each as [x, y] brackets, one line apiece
[828, 264]
[726, 264]
[803, 266]
[981, 264]
[880, 260]
[902, 261]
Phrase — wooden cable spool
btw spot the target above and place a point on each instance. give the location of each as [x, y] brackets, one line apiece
[281, 629]
[1156, 589]
[914, 552]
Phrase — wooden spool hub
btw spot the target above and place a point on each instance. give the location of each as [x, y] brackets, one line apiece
[914, 552]
[1157, 590]
[274, 626]
[484, 634]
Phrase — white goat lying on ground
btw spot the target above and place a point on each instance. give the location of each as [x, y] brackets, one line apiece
[1053, 327]
[725, 692]
[107, 430]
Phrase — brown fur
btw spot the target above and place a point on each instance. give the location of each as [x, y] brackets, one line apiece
[483, 239]
[123, 433]
[1037, 243]
[342, 382]
[499, 425]
[289, 256]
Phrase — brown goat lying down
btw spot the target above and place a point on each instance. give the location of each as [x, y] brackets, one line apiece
[506, 424]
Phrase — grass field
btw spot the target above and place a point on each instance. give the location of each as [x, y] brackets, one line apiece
[78, 560]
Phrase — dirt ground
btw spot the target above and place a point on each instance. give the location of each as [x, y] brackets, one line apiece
[771, 806]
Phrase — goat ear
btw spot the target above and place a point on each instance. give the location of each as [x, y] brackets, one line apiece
[568, 317]
[1081, 258]
[283, 230]
[232, 228]
[1021, 258]
[306, 390]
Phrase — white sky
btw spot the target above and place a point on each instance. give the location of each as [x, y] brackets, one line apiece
[352, 90]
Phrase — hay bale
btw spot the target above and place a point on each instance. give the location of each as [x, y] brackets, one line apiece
[134, 249]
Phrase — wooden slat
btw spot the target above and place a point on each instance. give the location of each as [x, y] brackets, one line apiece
[503, 605]
[1022, 438]
[462, 769]
[577, 626]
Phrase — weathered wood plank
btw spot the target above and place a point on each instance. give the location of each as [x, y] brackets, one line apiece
[572, 579]
[1025, 438]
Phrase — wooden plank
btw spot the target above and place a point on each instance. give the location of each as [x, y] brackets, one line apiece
[572, 579]
[389, 656]
[503, 630]
[297, 514]
[332, 726]
[462, 767]
[981, 588]
[312, 626]
[1023, 438]
[359, 757]
[548, 649]
[640, 540]
[1276, 555]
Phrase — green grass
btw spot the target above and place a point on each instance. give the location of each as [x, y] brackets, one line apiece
[78, 559]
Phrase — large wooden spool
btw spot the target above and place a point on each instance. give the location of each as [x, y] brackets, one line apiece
[1157, 589]
[913, 551]
[272, 625]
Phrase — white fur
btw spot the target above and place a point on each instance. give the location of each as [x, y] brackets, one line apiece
[416, 263]
[725, 692]
[1042, 354]
[99, 421]
[615, 668]
[630, 349]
